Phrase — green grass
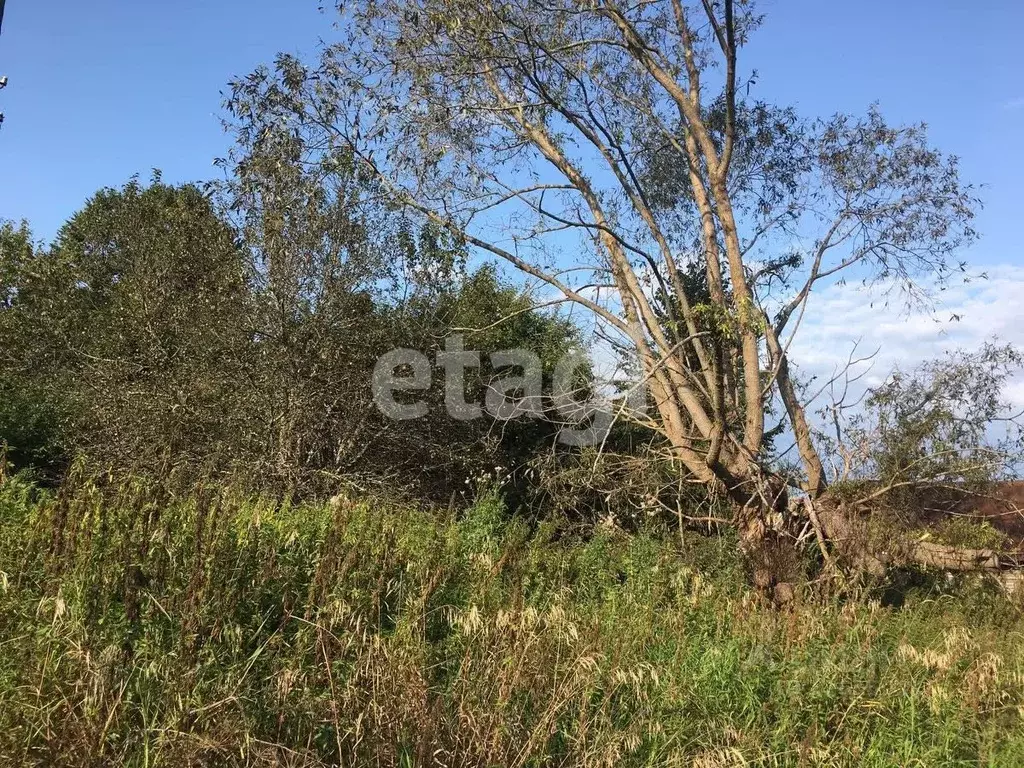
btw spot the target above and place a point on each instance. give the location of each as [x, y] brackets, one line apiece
[142, 628]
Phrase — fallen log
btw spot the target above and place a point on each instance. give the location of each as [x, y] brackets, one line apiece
[846, 536]
[950, 558]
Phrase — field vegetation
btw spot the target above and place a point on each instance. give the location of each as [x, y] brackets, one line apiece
[145, 625]
[218, 547]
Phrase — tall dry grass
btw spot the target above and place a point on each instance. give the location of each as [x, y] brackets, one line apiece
[150, 627]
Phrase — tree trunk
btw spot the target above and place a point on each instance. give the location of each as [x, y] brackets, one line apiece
[848, 533]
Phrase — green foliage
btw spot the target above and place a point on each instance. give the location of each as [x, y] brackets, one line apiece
[124, 327]
[31, 416]
[936, 421]
[946, 425]
[155, 333]
[31, 428]
[962, 532]
[142, 624]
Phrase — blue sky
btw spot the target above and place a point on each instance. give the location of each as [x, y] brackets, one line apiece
[956, 66]
[103, 89]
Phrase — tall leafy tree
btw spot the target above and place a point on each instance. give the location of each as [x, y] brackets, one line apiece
[602, 148]
[132, 319]
[32, 428]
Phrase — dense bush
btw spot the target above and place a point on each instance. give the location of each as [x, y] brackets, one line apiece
[157, 334]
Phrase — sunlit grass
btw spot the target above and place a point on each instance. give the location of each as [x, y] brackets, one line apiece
[141, 627]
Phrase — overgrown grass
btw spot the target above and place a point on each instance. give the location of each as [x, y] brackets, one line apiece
[142, 628]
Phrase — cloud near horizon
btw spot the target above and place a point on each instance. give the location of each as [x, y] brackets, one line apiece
[851, 319]
[964, 316]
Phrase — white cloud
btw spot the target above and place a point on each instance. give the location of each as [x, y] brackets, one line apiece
[841, 316]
